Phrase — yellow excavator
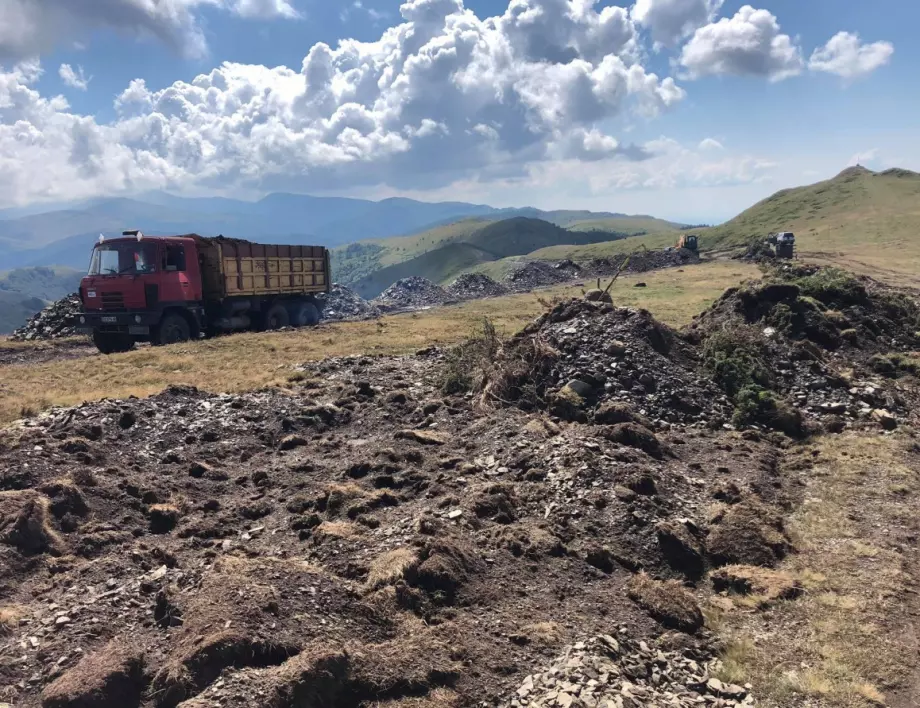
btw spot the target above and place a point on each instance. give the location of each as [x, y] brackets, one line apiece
[689, 241]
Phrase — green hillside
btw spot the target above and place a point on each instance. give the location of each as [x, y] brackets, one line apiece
[502, 239]
[858, 217]
[438, 265]
[358, 260]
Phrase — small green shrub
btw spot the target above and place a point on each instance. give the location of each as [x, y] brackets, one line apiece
[735, 360]
[755, 405]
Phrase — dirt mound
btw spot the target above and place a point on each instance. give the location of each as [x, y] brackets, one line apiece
[113, 676]
[54, 322]
[360, 510]
[411, 293]
[343, 303]
[748, 533]
[807, 343]
[475, 285]
[582, 356]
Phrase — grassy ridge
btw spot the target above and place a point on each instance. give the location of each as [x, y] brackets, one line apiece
[358, 260]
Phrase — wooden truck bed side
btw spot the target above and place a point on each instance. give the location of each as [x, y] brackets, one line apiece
[234, 268]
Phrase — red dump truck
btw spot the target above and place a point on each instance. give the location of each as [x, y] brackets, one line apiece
[174, 288]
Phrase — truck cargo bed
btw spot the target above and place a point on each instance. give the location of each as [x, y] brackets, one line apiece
[242, 268]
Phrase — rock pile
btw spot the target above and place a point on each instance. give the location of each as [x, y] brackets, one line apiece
[343, 303]
[584, 355]
[51, 323]
[528, 275]
[608, 672]
[414, 292]
[470, 286]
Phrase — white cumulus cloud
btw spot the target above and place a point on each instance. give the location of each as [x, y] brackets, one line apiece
[31, 27]
[844, 55]
[748, 44]
[670, 21]
[75, 79]
[710, 144]
[436, 98]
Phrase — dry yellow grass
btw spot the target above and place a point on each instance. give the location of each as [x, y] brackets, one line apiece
[250, 360]
[850, 641]
[390, 567]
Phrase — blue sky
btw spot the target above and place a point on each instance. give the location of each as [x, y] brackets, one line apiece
[770, 115]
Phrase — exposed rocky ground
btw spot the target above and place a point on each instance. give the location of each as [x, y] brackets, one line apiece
[535, 522]
[528, 275]
[470, 286]
[343, 303]
[50, 323]
[414, 292]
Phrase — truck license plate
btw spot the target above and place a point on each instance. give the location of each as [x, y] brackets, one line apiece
[110, 320]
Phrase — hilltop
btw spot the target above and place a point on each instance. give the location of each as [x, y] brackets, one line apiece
[862, 219]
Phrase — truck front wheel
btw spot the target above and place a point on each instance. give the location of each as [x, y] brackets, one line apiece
[172, 329]
[110, 343]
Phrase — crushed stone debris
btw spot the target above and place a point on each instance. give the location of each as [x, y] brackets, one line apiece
[53, 322]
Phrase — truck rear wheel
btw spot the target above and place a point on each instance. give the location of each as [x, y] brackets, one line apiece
[110, 343]
[304, 314]
[277, 317]
[172, 329]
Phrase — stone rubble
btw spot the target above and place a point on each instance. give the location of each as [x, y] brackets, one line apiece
[343, 303]
[414, 292]
[470, 286]
[608, 672]
[54, 322]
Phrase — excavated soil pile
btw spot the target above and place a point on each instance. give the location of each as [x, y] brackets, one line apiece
[592, 361]
[411, 292]
[52, 322]
[639, 262]
[343, 303]
[470, 286]
[361, 539]
[833, 343]
[528, 275]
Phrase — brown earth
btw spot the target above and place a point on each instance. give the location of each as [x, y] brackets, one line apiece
[361, 538]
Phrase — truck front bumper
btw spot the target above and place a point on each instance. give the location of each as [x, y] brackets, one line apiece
[137, 323]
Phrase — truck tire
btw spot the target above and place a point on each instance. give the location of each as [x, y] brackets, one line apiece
[304, 314]
[173, 328]
[109, 343]
[276, 317]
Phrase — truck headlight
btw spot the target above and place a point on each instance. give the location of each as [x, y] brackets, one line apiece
[82, 319]
[137, 318]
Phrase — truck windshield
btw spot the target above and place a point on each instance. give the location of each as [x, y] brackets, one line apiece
[123, 258]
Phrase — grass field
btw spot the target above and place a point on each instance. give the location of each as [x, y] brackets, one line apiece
[246, 361]
[848, 641]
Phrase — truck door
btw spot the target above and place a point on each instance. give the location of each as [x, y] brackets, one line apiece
[175, 285]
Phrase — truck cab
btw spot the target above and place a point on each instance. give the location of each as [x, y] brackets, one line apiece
[132, 286]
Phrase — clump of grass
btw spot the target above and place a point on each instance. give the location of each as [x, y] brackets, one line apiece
[833, 285]
[468, 364]
[895, 365]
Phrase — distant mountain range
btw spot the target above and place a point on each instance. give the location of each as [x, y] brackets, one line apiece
[64, 234]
